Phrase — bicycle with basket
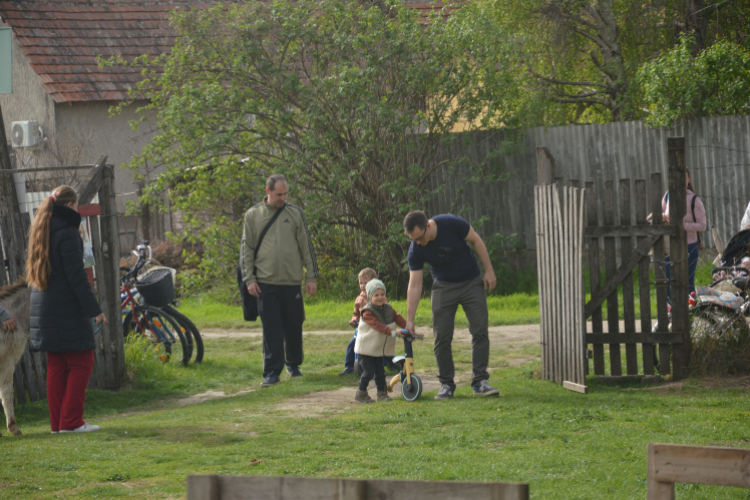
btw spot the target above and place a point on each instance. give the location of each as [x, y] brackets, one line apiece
[147, 299]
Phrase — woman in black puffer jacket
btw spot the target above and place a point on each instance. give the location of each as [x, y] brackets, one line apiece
[62, 305]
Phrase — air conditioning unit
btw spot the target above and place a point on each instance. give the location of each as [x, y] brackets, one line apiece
[26, 134]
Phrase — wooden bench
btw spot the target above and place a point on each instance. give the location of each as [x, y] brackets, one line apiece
[670, 463]
[209, 487]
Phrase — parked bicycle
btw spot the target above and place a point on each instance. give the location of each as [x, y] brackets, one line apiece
[146, 303]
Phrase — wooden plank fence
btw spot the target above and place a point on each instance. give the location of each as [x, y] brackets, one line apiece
[669, 464]
[559, 213]
[109, 367]
[624, 227]
[209, 487]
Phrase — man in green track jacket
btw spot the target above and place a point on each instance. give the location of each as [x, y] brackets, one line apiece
[275, 276]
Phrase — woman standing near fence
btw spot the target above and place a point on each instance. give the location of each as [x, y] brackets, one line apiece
[62, 305]
[694, 221]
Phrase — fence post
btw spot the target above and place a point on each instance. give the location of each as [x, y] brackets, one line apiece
[545, 166]
[110, 275]
[678, 253]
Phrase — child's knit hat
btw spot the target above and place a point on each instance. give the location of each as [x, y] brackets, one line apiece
[373, 285]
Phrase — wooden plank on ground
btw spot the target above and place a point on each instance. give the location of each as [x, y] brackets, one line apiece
[597, 326]
[572, 386]
[644, 285]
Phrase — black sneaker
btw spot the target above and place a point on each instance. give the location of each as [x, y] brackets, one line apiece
[270, 380]
[445, 392]
[349, 370]
[293, 371]
[485, 389]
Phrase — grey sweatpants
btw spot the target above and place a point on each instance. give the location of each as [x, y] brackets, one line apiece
[445, 300]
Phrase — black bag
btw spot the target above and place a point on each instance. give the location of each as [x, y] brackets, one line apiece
[250, 303]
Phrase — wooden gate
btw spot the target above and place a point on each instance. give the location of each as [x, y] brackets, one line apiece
[635, 239]
[559, 237]
[109, 366]
[565, 335]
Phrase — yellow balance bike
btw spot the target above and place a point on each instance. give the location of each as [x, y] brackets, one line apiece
[411, 385]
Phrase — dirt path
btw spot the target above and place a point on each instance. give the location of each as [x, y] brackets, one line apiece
[505, 339]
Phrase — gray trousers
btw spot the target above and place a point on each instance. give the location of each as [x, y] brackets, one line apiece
[445, 300]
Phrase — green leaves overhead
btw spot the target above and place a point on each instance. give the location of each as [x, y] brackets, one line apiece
[353, 101]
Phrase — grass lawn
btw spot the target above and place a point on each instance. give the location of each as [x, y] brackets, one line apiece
[566, 445]
[207, 311]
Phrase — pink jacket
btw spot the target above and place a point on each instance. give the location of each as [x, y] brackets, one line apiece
[692, 226]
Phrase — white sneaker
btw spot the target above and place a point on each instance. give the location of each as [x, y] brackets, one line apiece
[84, 428]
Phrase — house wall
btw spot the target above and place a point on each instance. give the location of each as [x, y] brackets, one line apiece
[28, 100]
[89, 126]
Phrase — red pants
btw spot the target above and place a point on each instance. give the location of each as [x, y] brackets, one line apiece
[68, 375]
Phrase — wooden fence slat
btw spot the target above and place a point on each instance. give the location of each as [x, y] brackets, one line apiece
[610, 268]
[28, 370]
[701, 465]
[110, 278]
[662, 317]
[548, 277]
[639, 229]
[8, 236]
[98, 376]
[594, 275]
[644, 287]
[612, 282]
[40, 368]
[633, 338]
[540, 262]
[679, 254]
[628, 295]
[20, 390]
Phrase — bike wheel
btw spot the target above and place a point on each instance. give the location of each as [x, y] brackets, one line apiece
[161, 326]
[190, 326]
[718, 324]
[411, 392]
[135, 326]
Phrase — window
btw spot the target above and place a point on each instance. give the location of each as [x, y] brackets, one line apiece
[6, 68]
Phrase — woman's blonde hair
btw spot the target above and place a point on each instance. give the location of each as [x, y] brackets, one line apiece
[37, 257]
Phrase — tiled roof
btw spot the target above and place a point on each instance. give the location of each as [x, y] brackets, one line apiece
[62, 39]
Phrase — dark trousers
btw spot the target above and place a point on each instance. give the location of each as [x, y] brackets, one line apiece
[693, 254]
[371, 367]
[350, 355]
[446, 298]
[282, 312]
[68, 375]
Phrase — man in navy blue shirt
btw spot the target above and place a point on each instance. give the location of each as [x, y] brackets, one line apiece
[445, 243]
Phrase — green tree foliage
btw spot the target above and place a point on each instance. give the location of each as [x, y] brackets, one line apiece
[678, 86]
[353, 101]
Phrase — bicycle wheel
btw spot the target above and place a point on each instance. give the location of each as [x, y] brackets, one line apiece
[159, 327]
[197, 344]
[137, 326]
[411, 392]
[718, 324]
